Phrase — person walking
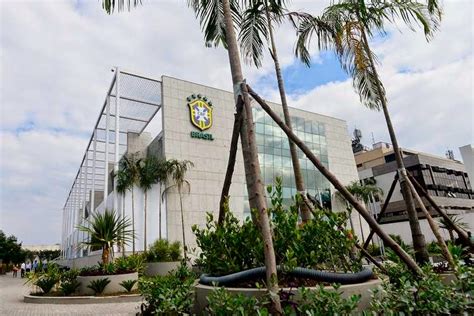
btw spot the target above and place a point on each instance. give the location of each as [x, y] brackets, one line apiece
[35, 265]
[15, 270]
[22, 268]
[28, 267]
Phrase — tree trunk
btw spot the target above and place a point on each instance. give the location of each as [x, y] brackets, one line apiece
[434, 227]
[159, 213]
[461, 233]
[451, 235]
[340, 187]
[144, 222]
[299, 181]
[123, 232]
[182, 225]
[419, 243]
[231, 162]
[133, 221]
[105, 255]
[255, 188]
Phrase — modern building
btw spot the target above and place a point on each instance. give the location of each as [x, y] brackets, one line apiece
[445, 180]
[467, 154]
[173, 118]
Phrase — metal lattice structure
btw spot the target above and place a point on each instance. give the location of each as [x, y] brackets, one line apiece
[130, 104]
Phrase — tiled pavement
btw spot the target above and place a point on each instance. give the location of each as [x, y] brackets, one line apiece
[11, 303]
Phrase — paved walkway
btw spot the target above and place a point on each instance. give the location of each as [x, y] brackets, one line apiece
[11, 303]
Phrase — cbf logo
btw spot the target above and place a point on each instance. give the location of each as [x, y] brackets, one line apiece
[200, 111]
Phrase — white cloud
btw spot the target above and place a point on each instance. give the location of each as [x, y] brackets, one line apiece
[56, 58]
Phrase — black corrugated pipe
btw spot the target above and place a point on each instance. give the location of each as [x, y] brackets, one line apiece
[256, 273]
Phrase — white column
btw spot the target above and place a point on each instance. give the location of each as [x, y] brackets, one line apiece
[106, 169]
[94, 156]
[117, 135]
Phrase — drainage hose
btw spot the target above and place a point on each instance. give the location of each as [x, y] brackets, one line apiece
[258, 273]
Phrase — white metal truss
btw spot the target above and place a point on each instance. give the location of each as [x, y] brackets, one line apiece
[130, 104]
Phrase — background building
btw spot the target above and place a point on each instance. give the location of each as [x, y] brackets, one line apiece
[155, 119]
[467, 154]
[445, 180]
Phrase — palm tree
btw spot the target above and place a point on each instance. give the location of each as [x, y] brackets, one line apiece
[256, 29]
[130, 166]
[122, 188]
[364, 192]
[105, 231]
[147, 171]
[161, 176]
[218, 19]
[457, 221]
[177, 171]
[353, 23]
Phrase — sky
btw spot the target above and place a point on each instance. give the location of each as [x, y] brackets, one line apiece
[56, 58]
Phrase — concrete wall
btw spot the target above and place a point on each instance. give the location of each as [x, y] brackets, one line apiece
[210, 157]
[467, 153]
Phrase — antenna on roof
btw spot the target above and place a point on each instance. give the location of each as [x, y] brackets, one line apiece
[450, 154]
[373, 139]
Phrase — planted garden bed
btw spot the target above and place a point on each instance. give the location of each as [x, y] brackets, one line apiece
[162, 257]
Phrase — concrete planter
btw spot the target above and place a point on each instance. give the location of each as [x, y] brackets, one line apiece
[125, 298]
[160, 268]
[364, 289]
[113, 287]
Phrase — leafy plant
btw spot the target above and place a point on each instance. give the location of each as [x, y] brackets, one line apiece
[46, 283]
[132, 263]
[105, 231]
[168, 295]
[128, 284]
[164, 251]
[99, 285]
[68, 282]
[423, 296]
[69, 287]
[222, 303]
[316, 244]
[321, 301]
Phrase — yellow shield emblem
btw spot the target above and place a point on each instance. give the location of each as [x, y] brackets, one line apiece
[200, 111]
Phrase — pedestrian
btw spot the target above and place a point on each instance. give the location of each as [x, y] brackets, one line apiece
[35, 265]
[28, 267]
[45, 265]
[22, 268]
[15, 270]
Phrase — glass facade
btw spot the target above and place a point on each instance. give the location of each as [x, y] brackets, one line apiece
[275, 158]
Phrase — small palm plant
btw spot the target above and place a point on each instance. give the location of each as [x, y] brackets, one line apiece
[128, 285]
[105, 231]
[99, 285]
[177, 171]
[456, 221]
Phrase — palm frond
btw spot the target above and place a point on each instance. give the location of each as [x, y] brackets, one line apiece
[254, 33]
[307, 27]
[120, 5]
[211, 18]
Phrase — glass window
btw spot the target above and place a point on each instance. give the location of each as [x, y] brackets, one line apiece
[322, 129]
[260, 128]
[286, 153]
[300, 124]
[308, 138]
[260, 139]
[315, 128]
[277, 151]
[285, 144]
[277, 162]
[261, 149]
[322, 140]
[307, 126]
[324, 150]
[268, 175]
[286, 192]
[268, 150]
[278, 142]
[268, 120]
[268, 159]
[287, 162]
[268, 129]
[268, 141]
[316, 139]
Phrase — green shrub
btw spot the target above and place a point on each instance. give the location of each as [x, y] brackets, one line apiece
[128, 284]
[132, 263]
[164, 251]
[69, 287]
[423, 296]
[168, 295]
[318, 244]
[68, 282]
[320, 301]
[222, 303]
[46, 283]
[99, 285]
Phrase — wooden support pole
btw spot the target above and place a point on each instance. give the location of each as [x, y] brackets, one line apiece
[462, 234]
[411, 264]
[434, 227]
[231, 162]
[382, 211]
